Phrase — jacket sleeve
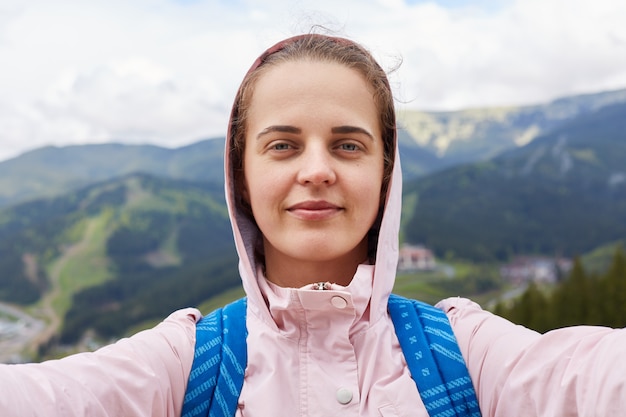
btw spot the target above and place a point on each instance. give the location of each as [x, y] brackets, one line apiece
[574, 371]
[144, 375]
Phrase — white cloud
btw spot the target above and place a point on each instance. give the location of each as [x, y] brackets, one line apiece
[134, 101]
[530, 51]
[165, 72]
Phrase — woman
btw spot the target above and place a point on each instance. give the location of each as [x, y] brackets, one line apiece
[314, 189]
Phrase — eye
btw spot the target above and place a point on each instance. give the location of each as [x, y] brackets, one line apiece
[280, 146]
[349, 146]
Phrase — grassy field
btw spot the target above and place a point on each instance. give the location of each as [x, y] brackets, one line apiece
[82, 265]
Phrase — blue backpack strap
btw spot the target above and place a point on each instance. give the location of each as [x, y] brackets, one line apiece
[434, 358]
[219, 363]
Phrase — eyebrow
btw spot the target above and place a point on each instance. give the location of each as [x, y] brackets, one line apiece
[346, 129]
[351, 129]
[279, 128]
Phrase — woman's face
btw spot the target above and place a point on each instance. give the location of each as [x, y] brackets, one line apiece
[313, 163]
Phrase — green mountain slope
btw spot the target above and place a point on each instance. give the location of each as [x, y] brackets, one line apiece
[130, 248]
[135, 248]
[52, 171]
[564, 193]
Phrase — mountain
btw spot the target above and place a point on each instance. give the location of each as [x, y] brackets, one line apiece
[482, 133]
[416, 161]
[428, 142]
[117, 253]
[113, 247]
[52, 171]
[563, 193]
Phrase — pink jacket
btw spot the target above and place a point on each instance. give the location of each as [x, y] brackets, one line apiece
[322, 353]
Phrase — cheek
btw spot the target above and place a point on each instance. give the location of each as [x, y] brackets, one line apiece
[364, 192]
[255, 189]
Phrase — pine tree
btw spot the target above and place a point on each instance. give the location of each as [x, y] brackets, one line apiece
[538, 317]
[570, 301]
[579, 299]
[616, 291]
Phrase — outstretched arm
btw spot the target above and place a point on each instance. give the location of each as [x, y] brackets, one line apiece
[144, 375]
[578, 370]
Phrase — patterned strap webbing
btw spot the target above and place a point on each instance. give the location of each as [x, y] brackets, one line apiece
[219, 363]
[424, 332]
[434, 358]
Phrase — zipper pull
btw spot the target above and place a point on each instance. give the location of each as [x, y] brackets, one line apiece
[321, 286]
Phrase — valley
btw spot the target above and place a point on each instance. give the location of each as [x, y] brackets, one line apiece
[104, 240]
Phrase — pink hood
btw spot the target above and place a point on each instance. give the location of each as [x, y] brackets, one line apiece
[247, 235]
[334, 352]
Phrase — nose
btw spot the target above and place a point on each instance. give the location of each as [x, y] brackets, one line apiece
[316, 167]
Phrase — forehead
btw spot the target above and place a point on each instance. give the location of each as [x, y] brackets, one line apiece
[315, 87]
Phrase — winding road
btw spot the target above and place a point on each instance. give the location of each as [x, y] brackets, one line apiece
[18, 332]
[21, 333]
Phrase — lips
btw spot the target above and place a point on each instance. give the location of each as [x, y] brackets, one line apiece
[314, 210]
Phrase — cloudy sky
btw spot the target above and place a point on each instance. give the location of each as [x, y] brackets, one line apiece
[165, 71]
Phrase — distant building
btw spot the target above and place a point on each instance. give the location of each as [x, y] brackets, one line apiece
[535, 269]
[416, 258]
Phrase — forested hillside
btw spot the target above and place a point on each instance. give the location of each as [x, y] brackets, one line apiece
[564, 193]
[117, 253]
[122, 249]
[582, 298]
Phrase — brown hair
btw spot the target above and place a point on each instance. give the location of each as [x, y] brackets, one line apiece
[315, 47]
